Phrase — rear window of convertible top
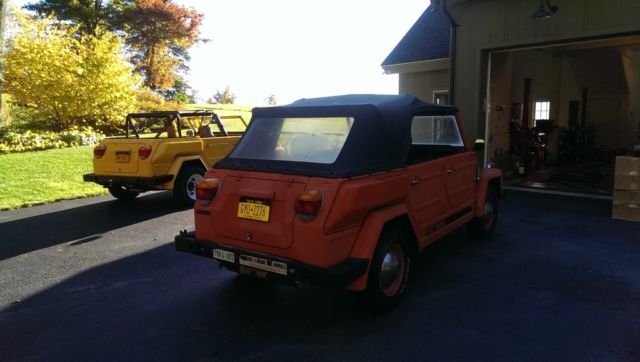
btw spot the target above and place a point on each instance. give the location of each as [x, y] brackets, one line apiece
[313, 140]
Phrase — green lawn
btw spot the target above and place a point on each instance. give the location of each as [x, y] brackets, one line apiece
[31, 178]
[228, 113]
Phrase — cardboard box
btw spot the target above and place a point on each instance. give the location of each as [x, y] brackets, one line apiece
[626, 197]
[629, 212]
[629, 182]
[627, 165]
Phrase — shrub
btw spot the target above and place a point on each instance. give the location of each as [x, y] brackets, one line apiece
[69, 80]
[12, 141]
[150, 101]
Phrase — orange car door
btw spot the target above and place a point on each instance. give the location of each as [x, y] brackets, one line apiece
[460, 171]
[427, 199]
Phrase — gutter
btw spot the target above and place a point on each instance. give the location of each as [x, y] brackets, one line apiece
[453, 36]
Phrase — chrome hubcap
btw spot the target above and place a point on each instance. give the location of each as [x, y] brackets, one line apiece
[487, 218]
[391, 270]
[191, 185]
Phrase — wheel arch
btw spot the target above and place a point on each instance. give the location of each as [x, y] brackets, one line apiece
[180, 164]
[374, 224]
[403, 222]
[489, 177]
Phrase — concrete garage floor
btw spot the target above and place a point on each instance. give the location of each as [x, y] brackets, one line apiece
[594, 178]
[560, 281]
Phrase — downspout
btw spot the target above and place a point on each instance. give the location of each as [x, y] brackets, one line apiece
[453, 36]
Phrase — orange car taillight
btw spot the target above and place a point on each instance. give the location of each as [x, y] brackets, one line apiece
[206, 190]
[308, 204]
[99, 151]
[144, 152]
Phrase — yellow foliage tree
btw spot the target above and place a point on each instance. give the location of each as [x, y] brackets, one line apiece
[69, 80]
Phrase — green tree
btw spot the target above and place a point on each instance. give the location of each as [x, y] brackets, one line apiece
[224, 97]
[69, 80]
[89, 15]
[181, 92]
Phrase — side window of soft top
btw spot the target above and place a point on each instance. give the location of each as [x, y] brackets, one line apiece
[434, 137]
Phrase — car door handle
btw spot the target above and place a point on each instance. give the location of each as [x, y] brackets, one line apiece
[450, 170]
[415, 181]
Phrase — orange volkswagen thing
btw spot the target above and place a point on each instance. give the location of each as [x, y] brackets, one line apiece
[342, 191]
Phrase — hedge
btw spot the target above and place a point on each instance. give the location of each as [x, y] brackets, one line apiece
[12, 141]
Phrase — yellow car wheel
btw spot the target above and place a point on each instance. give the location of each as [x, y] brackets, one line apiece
[184, 190]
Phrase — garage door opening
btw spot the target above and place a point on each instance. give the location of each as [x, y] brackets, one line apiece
[559, 114]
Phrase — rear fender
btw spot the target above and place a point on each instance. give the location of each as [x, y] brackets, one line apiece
[367, 240]
[489, 177]
[177, 164]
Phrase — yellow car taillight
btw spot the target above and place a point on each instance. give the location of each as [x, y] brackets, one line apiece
[99, 151]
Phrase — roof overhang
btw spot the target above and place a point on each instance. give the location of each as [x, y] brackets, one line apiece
[415, 67]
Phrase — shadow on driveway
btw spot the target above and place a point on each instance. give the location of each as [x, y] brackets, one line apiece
[559, 281]
[80, 224]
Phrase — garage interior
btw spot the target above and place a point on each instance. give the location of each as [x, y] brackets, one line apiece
[580, 103]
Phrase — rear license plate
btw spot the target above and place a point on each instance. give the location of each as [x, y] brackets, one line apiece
[224, 255]
[122, 156]
[254, 209]
[263, 264]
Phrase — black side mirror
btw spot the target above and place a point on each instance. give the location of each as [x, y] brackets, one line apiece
[478, 145]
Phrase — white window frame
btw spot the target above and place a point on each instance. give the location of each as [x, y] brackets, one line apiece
[440, 92]
[543, 112]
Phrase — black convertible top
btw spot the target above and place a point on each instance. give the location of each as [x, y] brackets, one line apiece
[379, 139]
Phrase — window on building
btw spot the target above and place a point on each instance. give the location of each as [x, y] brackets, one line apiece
[542, 110]
[441, 97]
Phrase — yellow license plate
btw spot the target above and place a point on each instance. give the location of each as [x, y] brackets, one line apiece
[254, 209]
[122, 156]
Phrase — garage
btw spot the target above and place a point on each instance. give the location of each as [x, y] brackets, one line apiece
[551, 86]
[559, 114]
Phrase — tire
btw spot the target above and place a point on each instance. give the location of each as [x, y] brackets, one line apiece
[389, 271]
[184, 189]
[122, 193]
[481, 228]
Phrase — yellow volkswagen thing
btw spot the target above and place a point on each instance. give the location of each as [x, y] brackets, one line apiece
[163, 151]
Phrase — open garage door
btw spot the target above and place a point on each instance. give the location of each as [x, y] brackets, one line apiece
[559, 114]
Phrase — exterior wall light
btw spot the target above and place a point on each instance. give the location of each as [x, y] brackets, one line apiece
[544, 11]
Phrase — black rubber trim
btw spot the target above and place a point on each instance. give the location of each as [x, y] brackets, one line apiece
[339, 275]
[127, 180]
[458, 215]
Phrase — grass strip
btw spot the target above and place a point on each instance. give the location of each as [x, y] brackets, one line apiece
[32, 178]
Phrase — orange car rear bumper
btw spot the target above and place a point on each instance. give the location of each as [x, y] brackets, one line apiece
[339, 275]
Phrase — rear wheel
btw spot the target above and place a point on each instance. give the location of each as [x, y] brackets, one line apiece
[184, 189]
[389, 270]
[122, 193]
[482, 227]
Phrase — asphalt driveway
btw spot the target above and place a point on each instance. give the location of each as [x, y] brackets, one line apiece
[95, 279]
